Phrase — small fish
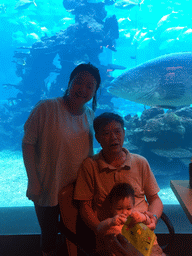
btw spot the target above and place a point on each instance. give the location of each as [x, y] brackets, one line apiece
[33, 23]
[126, 5]
[2, 8]
[169, 18]
[163, 19]
[93, 1]
[21, 5]
[9, 85]
[168, 44]
[123, 19]
[44, 29]
[18, 34]
[20, 62]
[19, 40]
[187, 32]
[115, 66]
[145, 43]
[33, 36]
[13, 21]
[172, 32]
[67, 19]
[139, 36]
[20, 54]
[186, 36]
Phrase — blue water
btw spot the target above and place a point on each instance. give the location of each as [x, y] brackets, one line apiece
[14, 182]
[151, 30]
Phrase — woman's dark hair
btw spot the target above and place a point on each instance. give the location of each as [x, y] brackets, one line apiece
[105, 118]
[121, 191]
[93, 71]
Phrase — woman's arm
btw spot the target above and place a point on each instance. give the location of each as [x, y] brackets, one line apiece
[29, 157]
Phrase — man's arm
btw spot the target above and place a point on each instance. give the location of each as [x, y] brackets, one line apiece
[112, 225]
[88, 215]
[155, 208]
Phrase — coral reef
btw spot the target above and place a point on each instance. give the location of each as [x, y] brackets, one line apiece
[167, 135]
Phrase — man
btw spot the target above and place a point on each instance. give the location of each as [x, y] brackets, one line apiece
[114, 164]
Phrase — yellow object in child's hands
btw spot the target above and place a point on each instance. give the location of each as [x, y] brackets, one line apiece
[140, 236]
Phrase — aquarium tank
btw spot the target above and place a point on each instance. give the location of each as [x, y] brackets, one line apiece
[142, 49]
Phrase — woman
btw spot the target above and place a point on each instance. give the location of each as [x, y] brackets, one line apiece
[58, 136]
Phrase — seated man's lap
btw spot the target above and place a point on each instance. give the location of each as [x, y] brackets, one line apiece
[157, 251]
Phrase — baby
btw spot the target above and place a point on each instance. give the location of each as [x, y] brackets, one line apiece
[121, 202]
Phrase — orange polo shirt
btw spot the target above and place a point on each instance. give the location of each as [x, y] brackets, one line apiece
[96, 178]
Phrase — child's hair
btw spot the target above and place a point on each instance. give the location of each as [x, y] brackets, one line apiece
[105, 118]
[121, 191]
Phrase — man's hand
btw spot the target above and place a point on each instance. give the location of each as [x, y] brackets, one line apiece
[138, 217]
[153, 223]
[112, 225]
[106, 227]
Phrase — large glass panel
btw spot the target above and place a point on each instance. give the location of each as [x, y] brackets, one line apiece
[42, 41]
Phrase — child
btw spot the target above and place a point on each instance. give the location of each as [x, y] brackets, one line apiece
[120, 203]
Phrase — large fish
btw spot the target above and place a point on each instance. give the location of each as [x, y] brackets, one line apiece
[165, 81]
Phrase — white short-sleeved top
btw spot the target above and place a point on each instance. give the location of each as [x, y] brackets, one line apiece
[62, 142]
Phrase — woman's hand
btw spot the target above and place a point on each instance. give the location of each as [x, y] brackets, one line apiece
[34, 191]
[30, 158]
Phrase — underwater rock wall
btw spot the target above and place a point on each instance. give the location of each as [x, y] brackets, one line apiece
[80, 42]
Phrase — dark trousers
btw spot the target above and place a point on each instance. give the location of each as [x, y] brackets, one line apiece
[86, 237]
[48, 218]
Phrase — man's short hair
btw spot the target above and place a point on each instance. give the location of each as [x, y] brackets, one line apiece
[105, 118]
[121, 191]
